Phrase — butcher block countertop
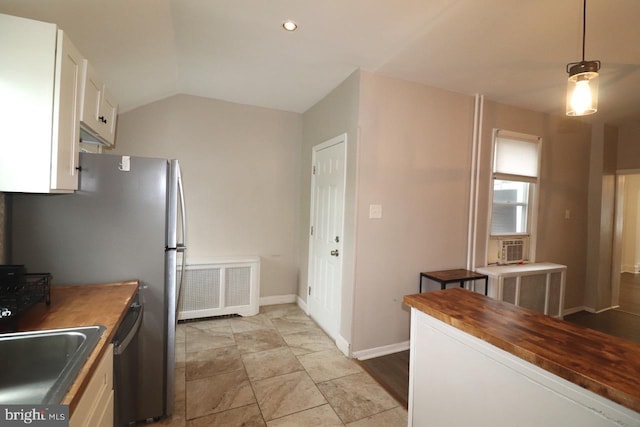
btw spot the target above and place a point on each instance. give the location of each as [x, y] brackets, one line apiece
[604, 364]
[84, 305]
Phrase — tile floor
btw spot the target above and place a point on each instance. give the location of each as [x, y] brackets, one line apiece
[274, 369]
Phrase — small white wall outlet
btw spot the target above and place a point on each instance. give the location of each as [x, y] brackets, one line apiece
[375, 211]
[125, 164]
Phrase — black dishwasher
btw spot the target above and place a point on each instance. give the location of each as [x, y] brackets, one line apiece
[125, 366]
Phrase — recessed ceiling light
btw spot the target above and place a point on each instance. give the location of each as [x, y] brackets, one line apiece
[289, 25]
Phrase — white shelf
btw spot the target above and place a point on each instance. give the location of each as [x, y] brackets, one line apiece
[553, 295]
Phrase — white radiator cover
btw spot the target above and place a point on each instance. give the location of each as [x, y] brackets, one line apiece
[220, 286]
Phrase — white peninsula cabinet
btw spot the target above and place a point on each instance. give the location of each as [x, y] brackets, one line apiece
[40, 83]
[476, 361]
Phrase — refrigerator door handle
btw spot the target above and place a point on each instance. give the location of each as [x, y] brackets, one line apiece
[182, 212]
[181, 247]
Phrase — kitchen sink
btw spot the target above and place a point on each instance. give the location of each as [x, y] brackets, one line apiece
[39, 367]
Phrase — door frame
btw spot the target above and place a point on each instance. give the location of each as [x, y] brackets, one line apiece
[340, 139]
[618, 229]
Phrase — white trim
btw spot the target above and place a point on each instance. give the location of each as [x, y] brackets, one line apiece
[302, 304]
[618, 233]
[591, 310]
[534, 199]
[474, 185]
[343, 345]
[602, 310]
[526, 137]
[572, 310]
[224, 260]
[278, 299]
[381, 351]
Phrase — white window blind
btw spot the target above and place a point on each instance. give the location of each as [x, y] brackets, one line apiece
[516, 154]
[516, 169]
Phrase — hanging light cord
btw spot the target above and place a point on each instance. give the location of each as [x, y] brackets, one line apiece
[584, 27]
[578, 67]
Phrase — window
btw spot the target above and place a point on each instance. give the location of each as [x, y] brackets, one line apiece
[510, 210]
[516, 164]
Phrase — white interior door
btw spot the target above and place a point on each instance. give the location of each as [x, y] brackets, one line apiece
[325, 243]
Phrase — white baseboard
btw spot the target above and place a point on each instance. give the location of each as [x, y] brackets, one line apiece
[302, 304]
[613, 307]
[572, 310]
[343, 345]
[278, 299]
[381, 351]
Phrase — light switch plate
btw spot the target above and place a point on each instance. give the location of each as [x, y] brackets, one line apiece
[375, 211]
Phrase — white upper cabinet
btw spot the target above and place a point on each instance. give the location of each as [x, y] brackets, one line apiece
[99, 109]
[40, 98]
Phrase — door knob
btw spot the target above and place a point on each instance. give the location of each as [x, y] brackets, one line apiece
[334, 252]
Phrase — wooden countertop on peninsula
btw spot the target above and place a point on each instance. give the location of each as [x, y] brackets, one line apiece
[83, 305]
[604, 364]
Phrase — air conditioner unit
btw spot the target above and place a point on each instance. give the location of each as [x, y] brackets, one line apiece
[511, 251]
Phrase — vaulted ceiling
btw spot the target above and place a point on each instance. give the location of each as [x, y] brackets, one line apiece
[512, 51]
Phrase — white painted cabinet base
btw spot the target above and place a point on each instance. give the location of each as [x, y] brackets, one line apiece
[96, 406]
[457, 380]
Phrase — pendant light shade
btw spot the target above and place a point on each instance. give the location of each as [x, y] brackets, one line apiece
[582, 85]
[582, 88]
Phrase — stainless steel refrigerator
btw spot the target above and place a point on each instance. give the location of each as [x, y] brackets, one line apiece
[126, 221]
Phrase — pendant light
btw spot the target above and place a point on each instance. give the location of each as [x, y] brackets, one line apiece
[582, 85]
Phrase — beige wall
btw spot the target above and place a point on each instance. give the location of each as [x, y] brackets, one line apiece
[334, 115]
[628, 156]
[414, 159]
[563, 186]
[241, 171]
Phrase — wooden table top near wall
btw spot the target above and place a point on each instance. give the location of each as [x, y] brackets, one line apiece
[604, 364]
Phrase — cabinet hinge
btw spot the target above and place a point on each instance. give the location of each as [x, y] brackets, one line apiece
[309, 290]
[312, 230]
[313, 170]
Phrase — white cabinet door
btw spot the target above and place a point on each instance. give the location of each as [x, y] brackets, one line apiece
[109, 113]
[66, 116]
[92, 90]
[99, 109]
